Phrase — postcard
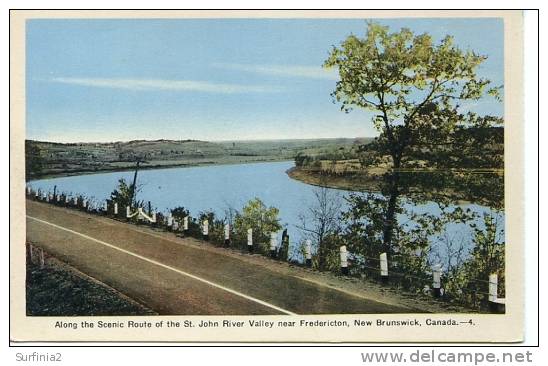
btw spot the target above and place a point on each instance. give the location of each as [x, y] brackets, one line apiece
[266, 176]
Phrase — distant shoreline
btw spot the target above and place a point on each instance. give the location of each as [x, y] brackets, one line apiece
[51, 160]
[74, 173]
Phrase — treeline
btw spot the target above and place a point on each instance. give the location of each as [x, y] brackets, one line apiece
[466, 147]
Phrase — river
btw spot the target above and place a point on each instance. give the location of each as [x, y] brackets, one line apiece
[218, 187]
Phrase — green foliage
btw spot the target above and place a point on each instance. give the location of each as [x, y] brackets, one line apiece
[333, 155]
[34, 162]
[320, 222]
[122, 195]
[179, 213]
[416, 86]
[206, 215]
[215, 226]
[301, 159]
[328, 259]
[412, 239]
[468, 283]
[263, 220]
[365, 224]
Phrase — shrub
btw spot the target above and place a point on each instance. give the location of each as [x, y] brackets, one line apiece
[469, 282]
[263, 220]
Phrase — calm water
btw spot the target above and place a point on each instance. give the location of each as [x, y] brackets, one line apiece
[218, 187]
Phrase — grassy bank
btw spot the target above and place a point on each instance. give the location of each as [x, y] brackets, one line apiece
[57, 289]
[350, 182]
[480, 187]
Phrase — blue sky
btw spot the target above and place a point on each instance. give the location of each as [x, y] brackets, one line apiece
[208, 79]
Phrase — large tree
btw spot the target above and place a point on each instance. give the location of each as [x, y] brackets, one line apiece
[415, 86]
[417, 89]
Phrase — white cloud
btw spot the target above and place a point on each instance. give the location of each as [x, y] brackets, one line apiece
[311, 72]
[167, 85]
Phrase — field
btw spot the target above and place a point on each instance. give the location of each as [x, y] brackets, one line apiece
[50, 159]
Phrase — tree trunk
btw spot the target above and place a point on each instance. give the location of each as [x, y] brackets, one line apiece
[321, 255]
[390, 218]
[134, 185]
[390, 221]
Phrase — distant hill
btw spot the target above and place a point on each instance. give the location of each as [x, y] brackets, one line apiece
[52, 158]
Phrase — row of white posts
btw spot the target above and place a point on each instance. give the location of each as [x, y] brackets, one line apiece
[48, 197]
[205, 233]
[436, 275]
[227, 231]
[139, 213]
[174, 225]
[68, 200]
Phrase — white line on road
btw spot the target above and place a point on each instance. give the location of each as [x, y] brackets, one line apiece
[166, 266]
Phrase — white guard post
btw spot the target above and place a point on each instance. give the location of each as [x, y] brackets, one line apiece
[497, 304]
[185, 223]
[205, 229]
[128, 212]
[344, 260]
[308, 252]
[273, 244]
[116, 209]
[250, 240]
[384, 266]
[493, 287]
[436, 280]
[227, 234]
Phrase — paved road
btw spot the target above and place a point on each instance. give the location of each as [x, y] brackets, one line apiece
[174, 278]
